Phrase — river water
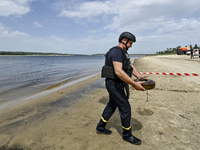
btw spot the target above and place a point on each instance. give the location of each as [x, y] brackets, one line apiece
[21, 76]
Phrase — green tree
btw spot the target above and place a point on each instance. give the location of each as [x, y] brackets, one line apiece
[196, 46]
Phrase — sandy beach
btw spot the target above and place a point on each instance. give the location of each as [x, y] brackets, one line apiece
[170, 120]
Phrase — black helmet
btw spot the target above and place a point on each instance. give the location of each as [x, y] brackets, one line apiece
[128, 36]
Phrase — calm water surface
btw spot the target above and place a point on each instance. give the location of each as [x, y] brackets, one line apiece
[24, 75]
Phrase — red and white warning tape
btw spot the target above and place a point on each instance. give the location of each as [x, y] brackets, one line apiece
[176, 74]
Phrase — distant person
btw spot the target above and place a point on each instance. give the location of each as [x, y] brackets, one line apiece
[199, 53]
[118, 70]
[192, 55]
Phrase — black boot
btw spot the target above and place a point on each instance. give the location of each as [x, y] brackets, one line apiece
[101, 128]
[133, 140]
[105, 131]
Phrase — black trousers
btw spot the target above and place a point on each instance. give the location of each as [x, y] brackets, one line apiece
[117, 98]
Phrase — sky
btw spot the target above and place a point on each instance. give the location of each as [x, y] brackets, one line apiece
[94, 26]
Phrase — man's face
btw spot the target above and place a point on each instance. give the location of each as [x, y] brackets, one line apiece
[129, 44]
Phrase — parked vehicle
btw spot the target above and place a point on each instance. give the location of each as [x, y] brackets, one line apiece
[183, 51]
[188, 52]
[196, 52]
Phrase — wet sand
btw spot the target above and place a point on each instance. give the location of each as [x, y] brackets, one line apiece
[169, 120]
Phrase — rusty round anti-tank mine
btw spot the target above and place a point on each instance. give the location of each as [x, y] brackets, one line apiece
[148, 84]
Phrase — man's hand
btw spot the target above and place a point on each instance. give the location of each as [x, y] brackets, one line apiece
[124, 77]
[142, 77]
[138, 86]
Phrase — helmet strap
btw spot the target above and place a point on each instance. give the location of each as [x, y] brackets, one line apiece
[125, 43]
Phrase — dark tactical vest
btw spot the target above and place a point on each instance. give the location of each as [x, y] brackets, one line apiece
[108, 72]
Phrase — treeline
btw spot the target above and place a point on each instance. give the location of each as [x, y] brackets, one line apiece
[28, 53]
[175, 50]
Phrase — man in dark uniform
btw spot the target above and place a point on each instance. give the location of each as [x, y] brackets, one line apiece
[199, 53]
[117, 77]
[192, 55]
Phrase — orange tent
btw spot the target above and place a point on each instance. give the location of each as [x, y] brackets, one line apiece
[184, 48]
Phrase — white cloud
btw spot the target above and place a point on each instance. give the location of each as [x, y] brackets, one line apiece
[138, 15]
[37, 24]
[154, 19]
[149, 15]
[1, 27]
[184, 24]
[13, 34]
[56, 38]
[87, 9]
[16, 40]
[14, 7]
[157, 24]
